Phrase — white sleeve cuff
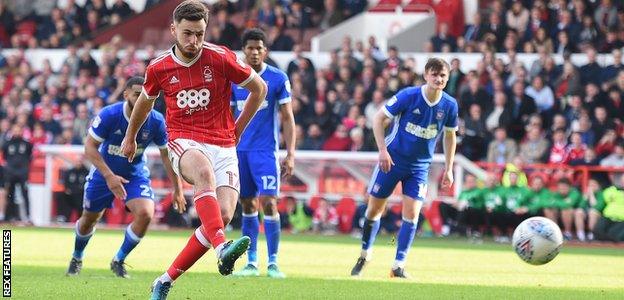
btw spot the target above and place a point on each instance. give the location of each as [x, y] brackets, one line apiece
[387, 113]
[162, 146]
[148, 96]
[248, 80]
[95, 136]
[284, 101]
[451, 128]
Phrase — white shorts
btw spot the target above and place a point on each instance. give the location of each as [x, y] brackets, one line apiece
[224, 160]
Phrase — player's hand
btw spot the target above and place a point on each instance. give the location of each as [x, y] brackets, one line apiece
[385, 161]
[115, 184]
[179, 202]
[128, 148]
[288, 165]
[447, 179]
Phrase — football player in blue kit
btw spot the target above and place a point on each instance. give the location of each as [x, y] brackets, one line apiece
[419, 115]
[257, 153]
[112, 176]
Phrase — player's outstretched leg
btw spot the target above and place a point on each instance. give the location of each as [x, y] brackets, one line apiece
[250, 228]
[143, 211]
[210, 215]
[195, 248]
[85, 227]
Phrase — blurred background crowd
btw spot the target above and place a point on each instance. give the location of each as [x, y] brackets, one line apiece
[549, 111]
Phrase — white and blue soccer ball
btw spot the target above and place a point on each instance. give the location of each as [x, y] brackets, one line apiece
[537, 240]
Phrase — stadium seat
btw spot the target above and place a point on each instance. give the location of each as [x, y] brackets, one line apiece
[418, 6]
[314, 202]
[150, 36]
[282, 205]
[397, 208]
[386, 6]
[346, 210]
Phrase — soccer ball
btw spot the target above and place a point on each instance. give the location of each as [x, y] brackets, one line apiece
[537, 240]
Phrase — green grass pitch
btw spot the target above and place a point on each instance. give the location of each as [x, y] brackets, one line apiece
[317, 268]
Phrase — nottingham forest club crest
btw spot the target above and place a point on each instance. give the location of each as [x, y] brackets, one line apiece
[207, 74]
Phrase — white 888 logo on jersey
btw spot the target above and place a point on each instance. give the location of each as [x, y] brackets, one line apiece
[193, 98]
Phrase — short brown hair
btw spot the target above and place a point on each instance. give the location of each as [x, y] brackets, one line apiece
[191, 10]
[436, 65]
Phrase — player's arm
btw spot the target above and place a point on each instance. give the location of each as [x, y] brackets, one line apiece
[141, 110]
[115, 183]
[450, 144]
[257, 92]
[179, 202]
[288, 125]
[380, 121]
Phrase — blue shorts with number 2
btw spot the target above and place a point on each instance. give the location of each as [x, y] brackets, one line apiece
[97, 196]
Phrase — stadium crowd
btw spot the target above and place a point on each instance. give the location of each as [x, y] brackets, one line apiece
[515, 114]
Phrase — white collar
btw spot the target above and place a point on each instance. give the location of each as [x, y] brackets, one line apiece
[262, 69]
[424, 94]
[180, 62]
[125, 113]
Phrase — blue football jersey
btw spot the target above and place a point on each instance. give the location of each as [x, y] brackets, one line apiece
[262, 131]
[109, 128]
[418, 123]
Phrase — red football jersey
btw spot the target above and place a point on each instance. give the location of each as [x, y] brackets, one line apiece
[198, 93]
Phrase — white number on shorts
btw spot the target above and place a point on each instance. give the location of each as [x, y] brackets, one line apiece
[145, 190]
[422, 190]
[268, 182]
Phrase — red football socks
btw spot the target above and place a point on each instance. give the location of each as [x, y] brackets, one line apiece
[209, 213]
[195, 248]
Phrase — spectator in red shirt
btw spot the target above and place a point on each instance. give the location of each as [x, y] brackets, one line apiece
[339, 140]
[606, 144]
[576, 149]
[558, 149]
